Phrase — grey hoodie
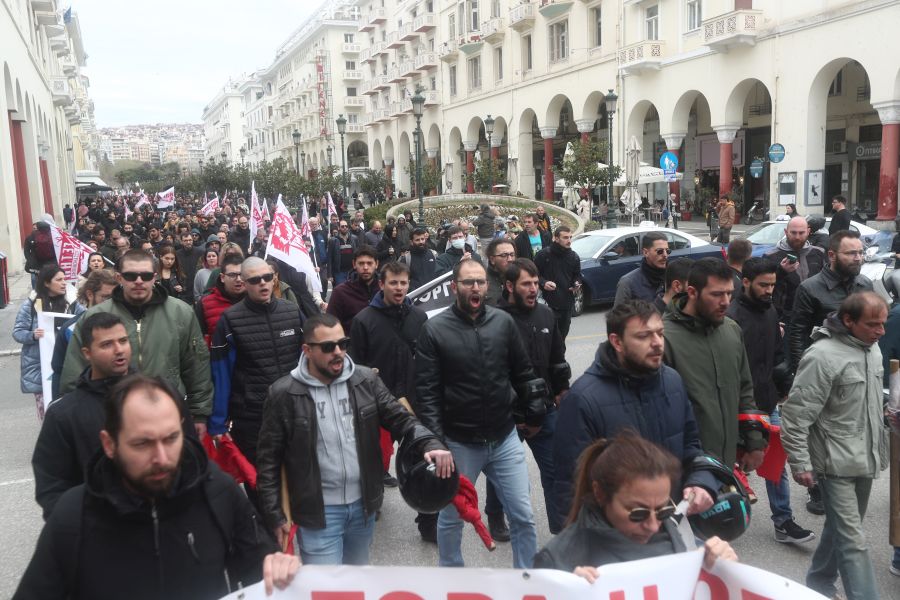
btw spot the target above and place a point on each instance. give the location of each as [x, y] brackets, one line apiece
[336, 443]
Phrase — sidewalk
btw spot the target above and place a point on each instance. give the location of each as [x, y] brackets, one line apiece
[19, 287]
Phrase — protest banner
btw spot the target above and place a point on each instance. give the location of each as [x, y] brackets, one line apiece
[71, 253]
[166, 199]
[210, 207]
[435, 296]
[286, 243]
[50, 322]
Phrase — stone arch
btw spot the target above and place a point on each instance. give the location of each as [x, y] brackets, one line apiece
[433, 138]
[523, 165]
[551, 117]
[404, 162]
[8, 88]
[594, 106]
[734, 106]
[817, 109]
[377, 155]
[454, 163]
[634, 126]
[357, 155]
[682, 111]
[475, 129]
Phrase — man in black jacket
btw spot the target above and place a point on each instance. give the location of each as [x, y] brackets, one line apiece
[422, 260]
[320, 430]
[646, 282]
[560, 269]
[754, 312]
[805, 261]
[256, 341]
[154, 519]
[532, 240]
[539, 332]
[189, 258]
[469, 360]
[840, 219]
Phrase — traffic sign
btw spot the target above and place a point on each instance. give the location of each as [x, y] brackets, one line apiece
[756, 168]
[668, 162]
[776, 153]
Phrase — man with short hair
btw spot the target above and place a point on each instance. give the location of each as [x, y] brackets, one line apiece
[560, 269]
[240, 235]
[189, 257]
[737, 254]
[228, 291]
[256, 341]
[154, 236]
[754, 312]
[706, 348]
[469, 360]
[374, 235]
[676, 282]
[154, 518]
[646, 282]
[352, 296]
[457, 250]
[319, 444]
[532, 239]
[726, 214]
[500, 253]
[422, 260]
[797, 261]
[840, 218]
[341, 252]
[164, 334]
[833, 432]
[320, 251]
[629, 387]
[484, 226]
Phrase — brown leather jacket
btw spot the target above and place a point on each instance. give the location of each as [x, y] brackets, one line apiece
[726, 216]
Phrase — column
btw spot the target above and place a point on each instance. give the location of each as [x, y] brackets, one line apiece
[585, 128]
[889, 113]
[673, 144]
[470, 147]
[388, 176]
[495, 147]
[432, 160]
[548, 133]
[726, 134]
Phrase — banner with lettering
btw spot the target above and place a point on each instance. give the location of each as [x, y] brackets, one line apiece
[166, 199]
[435, 296]
[71, 253]
[286, 243]
[210, 207]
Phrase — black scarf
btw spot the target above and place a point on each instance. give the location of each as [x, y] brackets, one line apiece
[654, 275]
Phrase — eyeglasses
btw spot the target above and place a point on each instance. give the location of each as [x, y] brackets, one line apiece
[473, 282]
[144, 275]
[659, 251]
[232, 275]
[641, 514]
[853, 253]
[256, 280]
[506, 255]
[329, 346]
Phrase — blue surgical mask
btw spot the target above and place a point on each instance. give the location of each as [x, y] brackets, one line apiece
[458, 244]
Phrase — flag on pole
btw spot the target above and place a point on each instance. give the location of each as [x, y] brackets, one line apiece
[210, 207]
[256, 213]
[143, 200]
[128, 211]
[287, 243]
[166, 198]
[304, 222]
[71, 253]
[265, 209]
[331, 209]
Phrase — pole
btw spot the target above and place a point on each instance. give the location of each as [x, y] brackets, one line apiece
[611, 208]
[419, 170]
[343, 167]
[297, 159]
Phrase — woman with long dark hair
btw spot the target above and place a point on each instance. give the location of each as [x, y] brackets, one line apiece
[170, 274]
[51, 294]
[95, 263]
[389, 248]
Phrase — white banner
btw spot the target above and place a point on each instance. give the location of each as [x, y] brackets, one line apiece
[675, 577]
[257, 219]
[50, 322]
[210, 207]
[286, 243]
[71, 253]
[166, 199]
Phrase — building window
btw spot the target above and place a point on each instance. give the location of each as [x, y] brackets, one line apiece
[837, 86]
[495, 9]
[348, 38]
[350, 65]
[451, 26]
[526, 52]
[498, 64]
[559, 41]
[473, 68]
[452, 72]
[597, 27]
[694, 14]
[651, 22]
[352, 118]
[433, 81]
[474, 24]
[351, 91]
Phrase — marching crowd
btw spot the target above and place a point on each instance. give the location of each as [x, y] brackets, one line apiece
[185, 340]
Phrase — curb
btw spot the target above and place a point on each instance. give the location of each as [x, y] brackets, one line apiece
[10, 352]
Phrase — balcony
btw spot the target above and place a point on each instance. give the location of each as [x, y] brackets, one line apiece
[394, 76]
[492, 30]
[408, 68]
[46, 18]
[355, 128]
[378, 48]
[368, 88]
[366, 56]
[521, 17]
[732, 30]
[382, 114]
[365, 26]
[470, 44]
[394, 41]
[68, 67]
[380, 82]
[44, 5]
[432, 98]
[353, 75]
[351, 48]
[424, 22]
[354, 101]
[426, 60]
[642, 56]
[367, 119]
[448, 51]
[550, 9]
[59, 88]
[396, 109]
[407, 33]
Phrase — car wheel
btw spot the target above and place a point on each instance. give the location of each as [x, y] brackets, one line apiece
[580, 296]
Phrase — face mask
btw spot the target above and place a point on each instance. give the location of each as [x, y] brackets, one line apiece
[458, 244]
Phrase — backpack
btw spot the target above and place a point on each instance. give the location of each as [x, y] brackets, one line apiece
[43, 247]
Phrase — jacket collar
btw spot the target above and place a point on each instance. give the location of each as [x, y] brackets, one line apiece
[479, 318]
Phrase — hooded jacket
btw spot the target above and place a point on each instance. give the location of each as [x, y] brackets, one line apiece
[607, 399]
[23, 332]
[422, 264]
[563, 267]
[102, 542]
[713, 365]
[350, 297]
[644, 283]
[833, 420]
[446, 261]
[291, 437]
[165, 340]
[811, 260]
[543, 342]
[763, 342]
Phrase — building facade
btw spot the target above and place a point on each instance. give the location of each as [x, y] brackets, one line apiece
[48, 131]
[223, 122]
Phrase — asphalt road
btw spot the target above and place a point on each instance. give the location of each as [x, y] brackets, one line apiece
[396, 538]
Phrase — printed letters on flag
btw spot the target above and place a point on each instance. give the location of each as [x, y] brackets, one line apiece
[166, 198]
[286, 243]
[71, 253]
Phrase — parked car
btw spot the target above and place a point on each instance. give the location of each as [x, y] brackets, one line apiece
[608, 254]
[767, 235]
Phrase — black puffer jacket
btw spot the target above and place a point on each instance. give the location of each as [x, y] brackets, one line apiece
[544, 344]
[472, 376]
[762, 339]
[253, 346]
[384, 337]
[102, 542]
[812, 260]
[563, 267]
[816, 298]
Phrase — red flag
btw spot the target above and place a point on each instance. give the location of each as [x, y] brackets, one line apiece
[225, 453]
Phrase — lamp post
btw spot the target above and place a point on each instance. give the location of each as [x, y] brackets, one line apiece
[303, 161]
[488, 132]
[418, 104]
[612, 209]
[329, 151]
[296, 137]
[243, 151]
[342, 129]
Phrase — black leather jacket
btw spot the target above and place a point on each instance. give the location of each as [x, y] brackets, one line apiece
[288, 438]
[466, 374]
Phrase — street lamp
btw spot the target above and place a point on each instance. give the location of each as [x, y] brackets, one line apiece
[296, 136]
[243, 151]
[342, 129]
[488, 132]
[329, 151]
[418, 105]
[303, 161]
[612, 209]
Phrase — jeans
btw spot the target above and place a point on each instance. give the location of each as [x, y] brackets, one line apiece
[779, 493]
[542, 448]
[344, 540]
[503, 462]
[842, 547]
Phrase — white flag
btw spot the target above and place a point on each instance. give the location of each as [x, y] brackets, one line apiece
[256, 214]
[210, 207]
[331, 209]
[166, 198]
[287, 243]
[71, 253]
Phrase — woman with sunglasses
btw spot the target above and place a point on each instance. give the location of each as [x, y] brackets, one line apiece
[623, 509]
[171, 275]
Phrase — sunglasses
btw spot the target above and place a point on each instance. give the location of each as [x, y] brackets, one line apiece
[659, 251]
[256, 280]
[328, 347]
[641, 514]
[131, 276]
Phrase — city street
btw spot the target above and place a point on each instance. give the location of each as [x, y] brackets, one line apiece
[396, 539]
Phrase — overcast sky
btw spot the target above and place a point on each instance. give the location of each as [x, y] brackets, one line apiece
[162, 61]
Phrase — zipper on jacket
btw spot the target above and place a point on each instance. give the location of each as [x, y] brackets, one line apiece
[190, 542]
[159, 567]
[140, 348]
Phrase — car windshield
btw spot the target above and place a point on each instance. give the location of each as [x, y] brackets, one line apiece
[767, 234]
[586, 246]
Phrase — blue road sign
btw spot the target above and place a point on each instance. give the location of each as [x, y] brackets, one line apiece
[668, 162]
[776, 153]
[756, 168]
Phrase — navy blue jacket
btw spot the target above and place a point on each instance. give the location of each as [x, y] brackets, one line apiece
[606, 400]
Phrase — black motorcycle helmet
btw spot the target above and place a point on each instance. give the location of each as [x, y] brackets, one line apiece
[729, 516]
[755, 420]
[420, 486]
